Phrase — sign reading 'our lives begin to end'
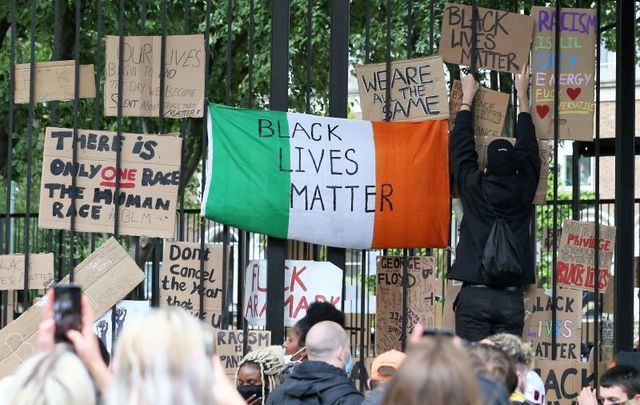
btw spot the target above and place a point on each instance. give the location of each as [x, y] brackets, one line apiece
[149, 176]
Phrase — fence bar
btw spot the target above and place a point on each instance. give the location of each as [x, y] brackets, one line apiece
[74, 155]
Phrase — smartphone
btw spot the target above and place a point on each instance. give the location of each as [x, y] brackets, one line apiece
[67, 312]
[438, 332]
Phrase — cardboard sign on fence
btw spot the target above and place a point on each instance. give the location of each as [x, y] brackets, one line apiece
[538, 324]
[107, 275]
[418, 90]
[149, 179]
[183, 69]
[503, 38]
[576, 254]
[12, 271]
[421, 279]
[489, 106]
[577, 72]
[563, 379]
[228, 346]
[180, 279]
[55, 81]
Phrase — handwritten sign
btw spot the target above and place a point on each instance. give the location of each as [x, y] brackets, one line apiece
[417, 86]
[55, 81]
[127, 312]
[304, 283]
[576, 254]
[482, 142]
[489, 106]
[12, 271]
[183, 70]
[502, 42]
[538, 324]
[577, 69]
[149, 178]
[228, 346]
[421, 279]
[563, 379]
[107, 275]
[180, 279]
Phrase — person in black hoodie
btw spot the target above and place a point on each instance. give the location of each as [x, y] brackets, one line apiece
[504, 189]
[322, 379]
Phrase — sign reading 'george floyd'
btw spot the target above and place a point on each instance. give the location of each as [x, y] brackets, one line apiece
[502, 42]
[149, 177]
[180, 279]
[183, 71]
[417, 87]
[577, 71]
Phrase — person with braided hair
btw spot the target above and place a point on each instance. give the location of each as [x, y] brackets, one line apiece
[259, 373]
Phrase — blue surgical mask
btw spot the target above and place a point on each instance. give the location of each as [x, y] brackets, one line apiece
[349, 366]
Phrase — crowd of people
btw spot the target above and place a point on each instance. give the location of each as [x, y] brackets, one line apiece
[168, 357]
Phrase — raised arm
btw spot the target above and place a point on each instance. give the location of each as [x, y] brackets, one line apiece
[464, 158]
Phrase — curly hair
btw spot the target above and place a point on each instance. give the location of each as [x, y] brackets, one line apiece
[270, 362]
[318, 312]
[512, 345]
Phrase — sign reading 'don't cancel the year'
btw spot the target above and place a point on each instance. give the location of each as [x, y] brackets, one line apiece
[149, 178]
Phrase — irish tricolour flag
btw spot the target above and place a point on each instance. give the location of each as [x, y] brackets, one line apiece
[336, 182]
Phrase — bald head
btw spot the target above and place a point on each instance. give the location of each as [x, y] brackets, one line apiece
[328, 342]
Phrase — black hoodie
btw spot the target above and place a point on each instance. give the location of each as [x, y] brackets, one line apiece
[510, 197]
[316, 382]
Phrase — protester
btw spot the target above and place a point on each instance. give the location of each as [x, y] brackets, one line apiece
[259, 373]
[322, 379]
[491, 363]
[52, 377]
[503, 190]
[383, 368]
[618, 385]
[436, 371]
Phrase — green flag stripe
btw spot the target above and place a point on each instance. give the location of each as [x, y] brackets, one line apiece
[247, 188]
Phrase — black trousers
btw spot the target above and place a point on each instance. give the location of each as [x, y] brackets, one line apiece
[482, 312]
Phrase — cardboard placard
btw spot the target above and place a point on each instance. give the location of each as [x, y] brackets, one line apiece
[545, 151]
[183, 69]
[107, 275]
[448, 315]
[538, 324]
[503, 39]
[180, 279]
[418, 90]
[576, 254]
[228, 346]
[489, 107]
[150, 175]
[127, 313]
[421, 279]
[563, 379]
[54, 82]
[577, 72]
[12, 271]
[305, 282]
[606, 339]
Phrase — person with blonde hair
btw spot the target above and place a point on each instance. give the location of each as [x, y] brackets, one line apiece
[436, 371]
[259, 373]
[52, 377]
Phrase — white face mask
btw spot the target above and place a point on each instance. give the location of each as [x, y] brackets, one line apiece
[288, 358]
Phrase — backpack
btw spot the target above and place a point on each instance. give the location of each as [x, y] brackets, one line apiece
[500, 266]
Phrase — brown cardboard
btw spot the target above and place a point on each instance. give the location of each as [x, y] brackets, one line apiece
[184, 76]
[576, 254]
[180, 279]
[538, 323]
[228, 346]
[418, 90]
[545, 151]
[106, 276]
[489, 106]
[12, 271]
[563, 379]
[54, 82]
[502, 42]
[152, 214]
[420, 299]
[448, 315]
[577, 72]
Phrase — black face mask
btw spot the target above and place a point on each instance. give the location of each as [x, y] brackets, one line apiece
[247, 391]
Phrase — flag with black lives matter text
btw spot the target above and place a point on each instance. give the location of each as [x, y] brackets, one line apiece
[330, 181]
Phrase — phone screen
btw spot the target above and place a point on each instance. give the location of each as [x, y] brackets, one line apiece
[66, 310]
